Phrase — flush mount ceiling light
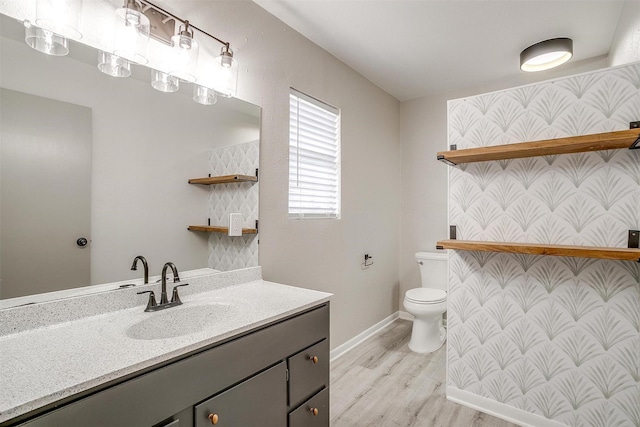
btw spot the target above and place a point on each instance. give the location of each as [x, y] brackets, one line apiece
[546, 54]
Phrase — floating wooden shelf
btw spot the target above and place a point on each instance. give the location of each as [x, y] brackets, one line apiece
[574, 144]
[223, 179]
[214, 229]
[622, 254]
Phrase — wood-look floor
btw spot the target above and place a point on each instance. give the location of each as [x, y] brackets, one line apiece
[383, 383]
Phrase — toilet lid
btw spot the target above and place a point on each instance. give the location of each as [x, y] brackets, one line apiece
[426, 295]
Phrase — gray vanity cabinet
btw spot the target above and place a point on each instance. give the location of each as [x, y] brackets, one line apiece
[258, 401]
[265, 377]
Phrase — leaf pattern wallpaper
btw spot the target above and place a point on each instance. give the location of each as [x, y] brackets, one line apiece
[553, 336]
[230, 253]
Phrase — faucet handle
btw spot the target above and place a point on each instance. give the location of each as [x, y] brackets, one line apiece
[152, 300]
[175, 298]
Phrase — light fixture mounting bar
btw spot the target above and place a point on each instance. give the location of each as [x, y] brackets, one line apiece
[162, 27]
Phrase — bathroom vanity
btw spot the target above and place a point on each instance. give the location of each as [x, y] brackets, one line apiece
[245, 354]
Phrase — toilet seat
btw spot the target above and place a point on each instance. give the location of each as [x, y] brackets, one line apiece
[426, 296]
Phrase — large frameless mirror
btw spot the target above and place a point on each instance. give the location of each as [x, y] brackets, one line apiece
[94, 171]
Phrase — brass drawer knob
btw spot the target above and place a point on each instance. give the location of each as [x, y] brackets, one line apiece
[314, 359]
[314, 411]
[214, 418]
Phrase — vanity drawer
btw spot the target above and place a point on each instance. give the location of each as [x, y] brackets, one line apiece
[305, 415]
[308, 372]
[258, 401]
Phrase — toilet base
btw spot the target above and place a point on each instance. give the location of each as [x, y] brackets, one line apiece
[427, 335]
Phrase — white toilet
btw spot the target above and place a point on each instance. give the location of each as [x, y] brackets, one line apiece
[428, 303]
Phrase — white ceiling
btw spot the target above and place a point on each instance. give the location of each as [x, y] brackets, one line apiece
[418, 48]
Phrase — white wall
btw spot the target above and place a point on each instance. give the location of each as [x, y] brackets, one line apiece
[318, 254]
[625, 46]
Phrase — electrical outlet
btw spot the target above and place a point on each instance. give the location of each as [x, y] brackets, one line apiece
[235, 224]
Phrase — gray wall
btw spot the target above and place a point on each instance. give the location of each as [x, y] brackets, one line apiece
[319, 254]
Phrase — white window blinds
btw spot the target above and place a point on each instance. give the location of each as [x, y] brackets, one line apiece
[314, 158]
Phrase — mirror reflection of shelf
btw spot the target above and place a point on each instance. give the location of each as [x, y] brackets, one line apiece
[215, 229]
[623, 254]
[226, 179]
[574, 144]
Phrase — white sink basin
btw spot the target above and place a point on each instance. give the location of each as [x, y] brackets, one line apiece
[177, 321]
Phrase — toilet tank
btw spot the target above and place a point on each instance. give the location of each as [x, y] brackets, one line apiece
[434, 269]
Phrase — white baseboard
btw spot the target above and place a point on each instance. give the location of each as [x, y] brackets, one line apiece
[499, 410]
[344, 348]
[405, 316]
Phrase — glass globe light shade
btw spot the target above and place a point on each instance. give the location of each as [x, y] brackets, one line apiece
[204, 95]
[61, 17]
[164, 82]
[113, 65]
[184, 57]
[44, 40]
[131, 35]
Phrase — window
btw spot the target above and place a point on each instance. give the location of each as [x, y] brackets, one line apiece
[314, 158]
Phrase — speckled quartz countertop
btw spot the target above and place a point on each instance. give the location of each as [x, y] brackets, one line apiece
[44, 365]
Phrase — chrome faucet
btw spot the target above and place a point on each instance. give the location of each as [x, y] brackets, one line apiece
[134, 267]
[164, 301]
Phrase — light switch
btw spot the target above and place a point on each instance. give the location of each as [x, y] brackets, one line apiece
[235, 224]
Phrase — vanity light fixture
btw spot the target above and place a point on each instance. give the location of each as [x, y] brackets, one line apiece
[204, 95]
[113, 65]
[224, 76]
[164, 82]
[184, 51]
[546, 54]
[132, 32]
[137, 20]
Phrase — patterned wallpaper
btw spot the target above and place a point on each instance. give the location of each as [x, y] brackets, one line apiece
[554, 336]
[230, 253]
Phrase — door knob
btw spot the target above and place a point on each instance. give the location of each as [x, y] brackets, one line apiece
[82, 242]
